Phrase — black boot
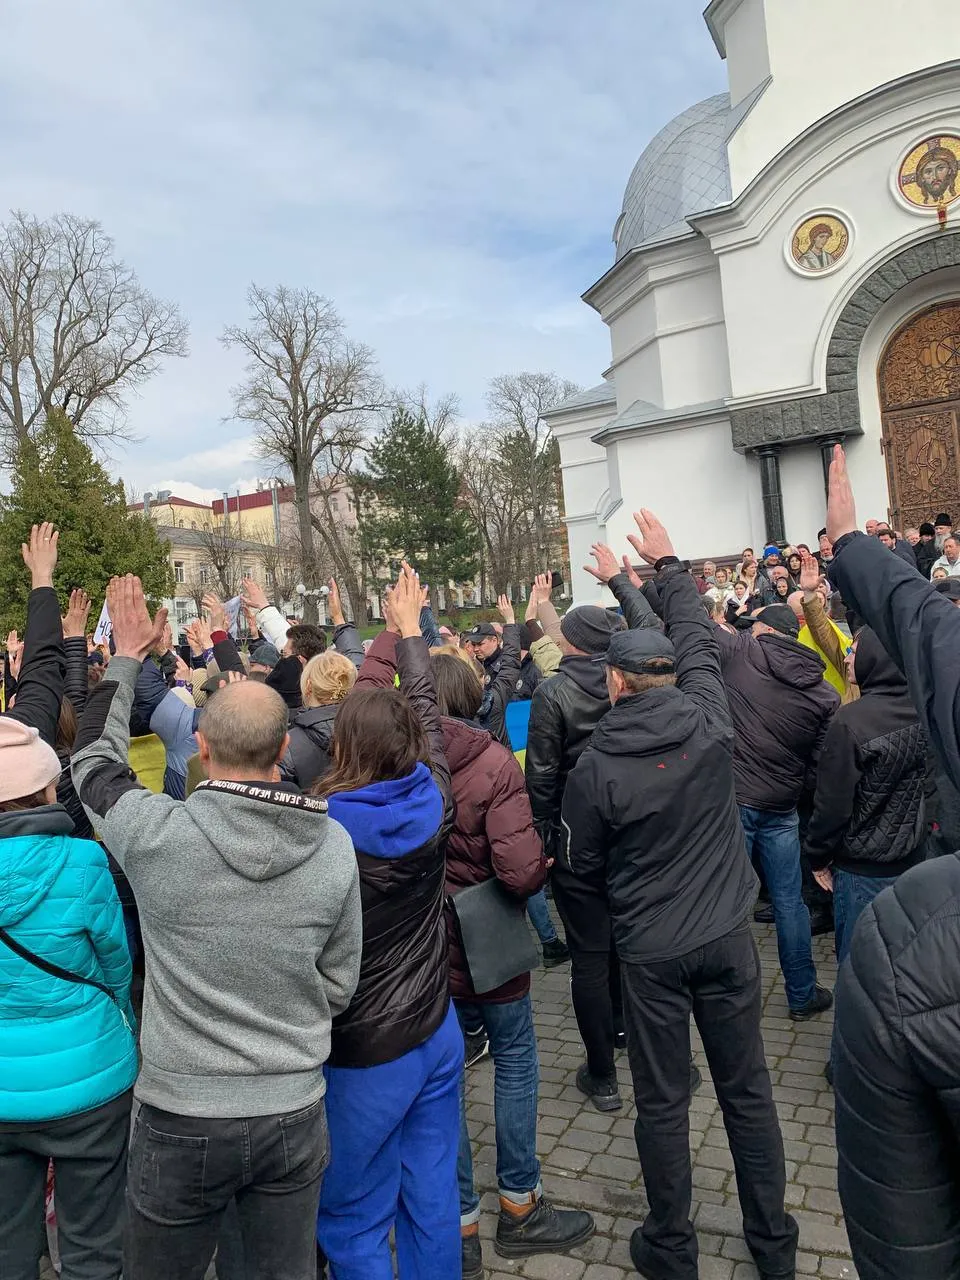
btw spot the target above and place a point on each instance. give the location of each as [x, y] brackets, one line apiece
[471, 1257]
[604, 1094]
[555, 953]
[522, 1231]
[763, 913]
[819, 1002]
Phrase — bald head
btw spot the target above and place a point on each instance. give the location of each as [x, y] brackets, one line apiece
[243, 731]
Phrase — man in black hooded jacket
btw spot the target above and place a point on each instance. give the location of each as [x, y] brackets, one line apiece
[897, 1036]
[650, 809]
[867, 826]
[564, 712]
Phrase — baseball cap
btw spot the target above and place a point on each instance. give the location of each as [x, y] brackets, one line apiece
[637, 650]
[480, 631]
[781, 618]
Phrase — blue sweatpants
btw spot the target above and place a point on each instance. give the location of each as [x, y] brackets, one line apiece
[394, 1131]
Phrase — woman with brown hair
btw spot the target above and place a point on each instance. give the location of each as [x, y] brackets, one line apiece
[326, 680]
[397, 1053]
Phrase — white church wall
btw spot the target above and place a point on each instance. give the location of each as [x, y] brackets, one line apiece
[748, 53]
[823, 54]
[694, 366]
[804, 498]
[695, 483]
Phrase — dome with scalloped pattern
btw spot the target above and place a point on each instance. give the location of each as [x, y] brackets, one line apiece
[683, 171]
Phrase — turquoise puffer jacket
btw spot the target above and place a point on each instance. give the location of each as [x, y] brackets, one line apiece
[64, 1047]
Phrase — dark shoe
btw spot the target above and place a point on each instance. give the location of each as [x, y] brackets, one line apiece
[475, 1046]
[821, 921]
[640, 1259]
[540, 1229]
[604, 1094]
[696, 1079]
[619, 1040]
[471, 1257]
[764, 914]
[822, 1000]
[555, 953]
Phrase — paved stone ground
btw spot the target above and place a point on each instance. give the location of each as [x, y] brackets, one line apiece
[590, 1160]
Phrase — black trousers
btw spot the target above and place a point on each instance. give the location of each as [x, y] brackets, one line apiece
[720, 984]
[89, 1162]
[594, 969]
[185, 1171]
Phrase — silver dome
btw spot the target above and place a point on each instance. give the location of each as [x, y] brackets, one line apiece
[683, 171]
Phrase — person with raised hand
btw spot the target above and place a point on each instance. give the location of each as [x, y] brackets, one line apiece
[397, 1053]
[250, 913]
[542, 648]
[649, 811]
[500, 659]
[896, 1038]
[42, 666]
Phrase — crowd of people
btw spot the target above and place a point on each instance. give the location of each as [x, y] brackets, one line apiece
[262, 904]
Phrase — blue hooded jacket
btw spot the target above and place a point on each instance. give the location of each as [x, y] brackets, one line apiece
[64, 1047]
[390, 819]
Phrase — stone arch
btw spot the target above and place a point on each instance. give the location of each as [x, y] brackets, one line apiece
[836, 411]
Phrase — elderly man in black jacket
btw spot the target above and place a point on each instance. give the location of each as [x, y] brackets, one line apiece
[564, 712]
[897, 1052]
[650, 809]
[781, 707]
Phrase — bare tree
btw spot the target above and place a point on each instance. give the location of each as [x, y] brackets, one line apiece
[77, 329]
[281, 566]
[223, 555]
[194, 590]
[306, 393]
[517, 403]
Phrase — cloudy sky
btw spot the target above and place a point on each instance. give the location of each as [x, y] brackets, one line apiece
[449, 174]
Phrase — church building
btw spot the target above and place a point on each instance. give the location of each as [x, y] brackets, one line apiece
[786, 276]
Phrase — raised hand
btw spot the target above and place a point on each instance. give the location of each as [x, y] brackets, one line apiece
[78, 611]
[607, 566]
[809, 573]
[406, 600]
[135, 633]
[841, 507]
[218, 614]
[14, 654]
[183, 671]
[335, 604]
[40, 554]
[540, 593]
[254, 595]
[630, 571]
[231, 677]
[505, 609]
[654, 541]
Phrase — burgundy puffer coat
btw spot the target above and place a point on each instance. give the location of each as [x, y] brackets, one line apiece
[493, 836]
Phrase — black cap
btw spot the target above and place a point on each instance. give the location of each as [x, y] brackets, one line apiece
[949, 587]
[781, 618]
[927, 530]
[638, 651]
[821, 534]
[943, 518]
[480, 631]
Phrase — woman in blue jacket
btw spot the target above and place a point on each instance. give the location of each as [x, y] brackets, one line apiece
[68, 1055]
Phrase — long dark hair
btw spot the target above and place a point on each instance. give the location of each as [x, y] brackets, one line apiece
[377, 737]
[67, 727]
[459, 687]
[35, 801]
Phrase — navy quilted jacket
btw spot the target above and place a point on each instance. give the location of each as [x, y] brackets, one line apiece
[868, 812]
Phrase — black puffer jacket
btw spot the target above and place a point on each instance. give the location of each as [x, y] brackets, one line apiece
[897, 1080]
[868, 815]
[781, 707]
[308, 755]
[564, 712]
[650, 806]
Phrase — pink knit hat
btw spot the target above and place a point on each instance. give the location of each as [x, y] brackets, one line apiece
[27, 764]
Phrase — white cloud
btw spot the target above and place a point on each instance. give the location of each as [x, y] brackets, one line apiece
[448, 174]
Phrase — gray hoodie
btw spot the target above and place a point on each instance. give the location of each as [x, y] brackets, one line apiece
[249, 905]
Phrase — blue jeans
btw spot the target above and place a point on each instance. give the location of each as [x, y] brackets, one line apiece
[393, 1129]
[852, 894]
[539, 914]
[774, 839]
[516, 1077]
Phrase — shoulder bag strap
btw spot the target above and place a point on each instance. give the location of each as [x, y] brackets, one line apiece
[53, 969]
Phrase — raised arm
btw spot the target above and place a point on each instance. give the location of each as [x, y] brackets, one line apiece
[40, 684]
[346, 639]
[270, 620]
[918, 627]
[380, 665]
[636, 609]
[504, 683]
[75, 649]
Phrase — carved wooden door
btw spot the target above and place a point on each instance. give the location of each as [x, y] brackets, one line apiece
[920, 397]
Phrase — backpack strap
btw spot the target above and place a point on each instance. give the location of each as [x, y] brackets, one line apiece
[53, 969]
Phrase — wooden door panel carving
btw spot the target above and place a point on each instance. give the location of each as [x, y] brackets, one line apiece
[919, 378]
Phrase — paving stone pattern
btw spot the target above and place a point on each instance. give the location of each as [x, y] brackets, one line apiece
[590, 1160]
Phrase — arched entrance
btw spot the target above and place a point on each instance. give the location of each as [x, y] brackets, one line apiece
[919, 376]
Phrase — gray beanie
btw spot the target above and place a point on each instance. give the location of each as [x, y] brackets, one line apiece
[589, 628]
